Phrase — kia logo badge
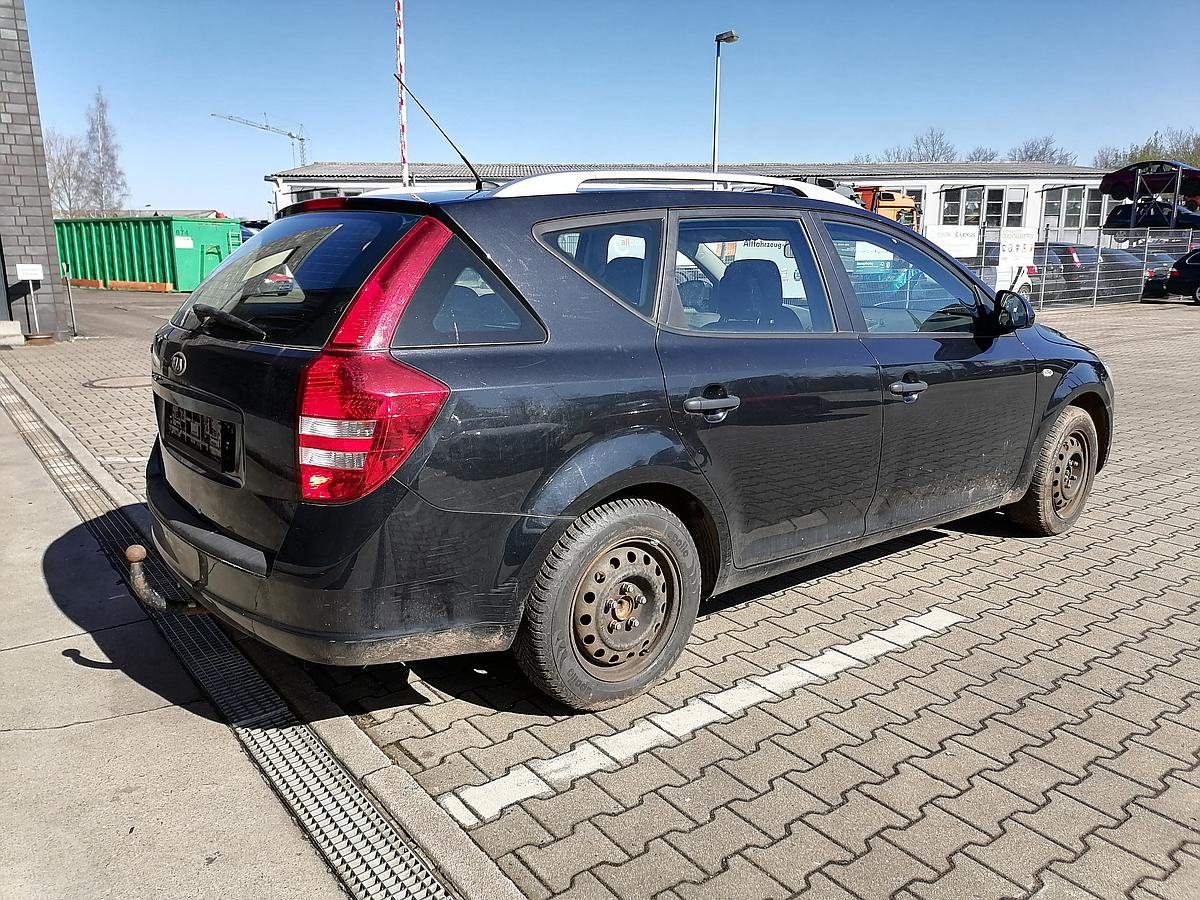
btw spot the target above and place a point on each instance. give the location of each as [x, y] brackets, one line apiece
[178, 364]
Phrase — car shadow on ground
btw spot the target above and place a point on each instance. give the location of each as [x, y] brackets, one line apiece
[90, 591]
[78, 573]
[494, 681]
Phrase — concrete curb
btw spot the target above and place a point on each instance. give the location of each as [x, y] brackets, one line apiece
[443, 841]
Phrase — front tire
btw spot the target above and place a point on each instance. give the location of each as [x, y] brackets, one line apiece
[1062, 477]
[612, 606]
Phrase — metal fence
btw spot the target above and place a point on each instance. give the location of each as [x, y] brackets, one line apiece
[1084, 265]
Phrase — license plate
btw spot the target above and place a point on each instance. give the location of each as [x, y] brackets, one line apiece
[211, 438]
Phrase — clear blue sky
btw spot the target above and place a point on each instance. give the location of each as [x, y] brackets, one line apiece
[617, 81]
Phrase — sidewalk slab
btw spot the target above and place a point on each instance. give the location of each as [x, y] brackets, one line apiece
[118, 780]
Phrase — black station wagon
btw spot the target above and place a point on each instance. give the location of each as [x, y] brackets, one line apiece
[555, 419]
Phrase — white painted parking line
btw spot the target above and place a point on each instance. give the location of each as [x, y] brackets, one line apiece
[488, 800]
[479, 803]
[627, 744]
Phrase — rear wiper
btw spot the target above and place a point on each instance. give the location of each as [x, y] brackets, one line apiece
[206, 313]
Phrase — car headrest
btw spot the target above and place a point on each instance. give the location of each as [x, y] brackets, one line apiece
[623, 275]
[750, 290]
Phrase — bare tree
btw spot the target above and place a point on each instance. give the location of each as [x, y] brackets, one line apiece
[1109, 157]
[107, 188]
[861, 158]
[1042, 149]
[982, 154]
[1180, 144]
[67, 168]
[930, 145]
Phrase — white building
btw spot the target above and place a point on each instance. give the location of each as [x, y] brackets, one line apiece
[993, 194]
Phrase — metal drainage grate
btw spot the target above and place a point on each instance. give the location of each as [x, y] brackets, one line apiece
[366, 852]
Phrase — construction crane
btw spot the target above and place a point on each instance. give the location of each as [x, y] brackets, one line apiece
[297, 137]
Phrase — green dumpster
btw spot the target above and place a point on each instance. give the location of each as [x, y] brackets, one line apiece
[150, 253]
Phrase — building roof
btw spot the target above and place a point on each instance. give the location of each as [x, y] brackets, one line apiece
[386, 171]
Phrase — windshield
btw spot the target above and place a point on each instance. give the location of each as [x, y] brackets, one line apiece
[295, 278]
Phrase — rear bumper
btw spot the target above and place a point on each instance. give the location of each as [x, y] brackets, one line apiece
[398, 596]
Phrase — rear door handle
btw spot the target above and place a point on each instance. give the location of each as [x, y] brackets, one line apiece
[907, 389]
[709, 405]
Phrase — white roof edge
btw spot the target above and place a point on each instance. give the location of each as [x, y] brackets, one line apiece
[570, 182]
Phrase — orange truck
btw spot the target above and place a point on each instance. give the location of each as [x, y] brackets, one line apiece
[891, 204]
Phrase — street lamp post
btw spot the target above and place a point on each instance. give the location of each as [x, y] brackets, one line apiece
[725, 37]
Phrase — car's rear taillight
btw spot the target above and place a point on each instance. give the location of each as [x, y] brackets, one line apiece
[1174, 273]
[361, 415]
[1031, 271]
[362, 412]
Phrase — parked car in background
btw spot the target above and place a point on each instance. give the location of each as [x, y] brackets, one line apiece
[1108, 274]
[1151, 214]
[1184, 277]
[492, 420]
[1159, 176]
[1158, 268]
[1036, 281]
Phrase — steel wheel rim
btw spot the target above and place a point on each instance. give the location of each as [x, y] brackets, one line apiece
[1071, 473]
[624, 609]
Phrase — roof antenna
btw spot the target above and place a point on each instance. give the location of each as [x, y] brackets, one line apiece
[461, 155]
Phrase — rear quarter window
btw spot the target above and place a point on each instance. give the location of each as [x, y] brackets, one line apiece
[295, 278]
[462, 301]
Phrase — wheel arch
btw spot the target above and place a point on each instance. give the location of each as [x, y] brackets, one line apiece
[648, 466]
[1093, 404]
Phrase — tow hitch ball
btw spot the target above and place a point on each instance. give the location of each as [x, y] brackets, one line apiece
[135, 555]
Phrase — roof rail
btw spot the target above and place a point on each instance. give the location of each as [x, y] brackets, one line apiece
[572, 181]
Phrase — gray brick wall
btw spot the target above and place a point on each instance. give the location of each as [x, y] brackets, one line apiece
[26, 220]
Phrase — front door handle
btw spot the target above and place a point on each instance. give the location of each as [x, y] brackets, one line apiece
[710, 405]
[907, 389]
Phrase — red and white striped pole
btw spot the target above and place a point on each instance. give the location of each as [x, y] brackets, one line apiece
[404, 179]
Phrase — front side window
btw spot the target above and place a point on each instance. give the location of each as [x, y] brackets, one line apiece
[622, 257]
[747, 275]
[899, 287]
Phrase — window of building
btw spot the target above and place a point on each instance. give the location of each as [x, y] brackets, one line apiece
[993, 207]
[993, 212]
[1015, 207]
[952, 207]
[1095, 208]
[1052, 207]
[972, 205]
[1073, 208]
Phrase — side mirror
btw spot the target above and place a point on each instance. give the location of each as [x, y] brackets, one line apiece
[1013, 311]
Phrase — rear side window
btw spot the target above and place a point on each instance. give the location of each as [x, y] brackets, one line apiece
[295, 278]
[622, 257]
[461, 301]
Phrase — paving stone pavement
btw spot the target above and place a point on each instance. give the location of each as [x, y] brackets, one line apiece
[815, 740]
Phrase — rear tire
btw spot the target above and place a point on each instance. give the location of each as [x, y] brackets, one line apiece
[1062, 477]
[1196, 294]
[612, 606]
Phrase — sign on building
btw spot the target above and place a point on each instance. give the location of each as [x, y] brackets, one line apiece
[961, 241]
[1016, 253]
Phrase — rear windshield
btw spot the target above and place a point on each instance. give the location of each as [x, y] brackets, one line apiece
[295, 278]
